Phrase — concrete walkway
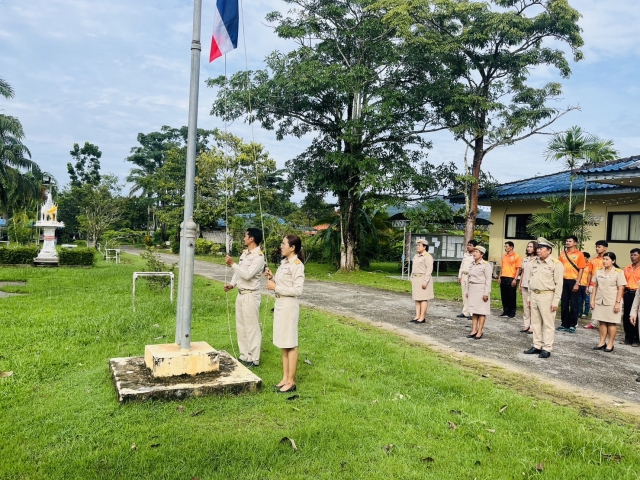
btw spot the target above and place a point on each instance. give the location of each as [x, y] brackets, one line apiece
[573, 365]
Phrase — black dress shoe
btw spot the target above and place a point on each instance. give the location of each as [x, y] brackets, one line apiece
[544, 354]
[288, 390]
[638, 379]
[462, 315]
[608, 350]
[415, 320]
[532, 350]
[473, 335]
[600, 347]
[478, 337]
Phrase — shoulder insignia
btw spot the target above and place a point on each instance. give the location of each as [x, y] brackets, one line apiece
[260, 253]
[297, 262]
[618, 270]
[245, 251]
[555, 260]
[427, 253]
[485, 262]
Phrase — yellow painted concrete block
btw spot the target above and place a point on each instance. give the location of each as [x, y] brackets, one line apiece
[168, 360]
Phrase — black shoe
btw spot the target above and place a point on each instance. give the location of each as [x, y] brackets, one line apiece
[478, 337]
[532, 350]
[462, 315]
[415, 320]
[511, 316]
[600, 347]
[470, 317]
[608, 350]
[471, 336]
[524, 331]
[544, 354]
[288, 390]
[628, 342]
[503, 315]
[638, 379]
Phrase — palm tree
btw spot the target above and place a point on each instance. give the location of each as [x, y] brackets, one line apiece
[576, 148]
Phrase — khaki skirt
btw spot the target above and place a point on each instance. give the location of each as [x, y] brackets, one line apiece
[475, 304]
[418, 293]
[286, 314]
[604, 313]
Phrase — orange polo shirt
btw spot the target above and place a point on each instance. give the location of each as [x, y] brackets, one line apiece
[633, 277]
[585, 275]
[510, 264]
[579, 261]
[594, 265]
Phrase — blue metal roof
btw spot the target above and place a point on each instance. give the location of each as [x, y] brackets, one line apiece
[629, 163]
[3, 222]
[548, 185]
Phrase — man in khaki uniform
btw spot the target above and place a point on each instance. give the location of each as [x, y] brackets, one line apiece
[463, 277]
[246, 276]
[545, 289]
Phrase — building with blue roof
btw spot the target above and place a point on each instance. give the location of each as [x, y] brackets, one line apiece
[612, 194]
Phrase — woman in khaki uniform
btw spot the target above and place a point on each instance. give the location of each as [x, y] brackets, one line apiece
[606, 300]
[287, 285]
[478, 292]
[527, 263]
[421, 281]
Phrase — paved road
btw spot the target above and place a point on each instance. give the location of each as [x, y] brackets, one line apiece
[573, 364]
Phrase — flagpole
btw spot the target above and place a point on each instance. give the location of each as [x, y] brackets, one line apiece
[188, 227]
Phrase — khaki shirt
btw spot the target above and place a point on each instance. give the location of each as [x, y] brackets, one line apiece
[636, 305]
[467, 260]
[422, 266]
[527, 263]
[248, 270]
[289, 277]
[607, 285]
[481, 273]
[547, 275]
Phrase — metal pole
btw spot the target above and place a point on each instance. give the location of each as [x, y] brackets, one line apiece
[187, 246]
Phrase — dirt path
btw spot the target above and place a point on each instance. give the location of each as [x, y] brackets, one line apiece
[605, 378]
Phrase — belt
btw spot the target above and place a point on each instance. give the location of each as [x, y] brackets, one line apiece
[465, 273]
[630, 289]
[418, 275]
[245, 291]
[535, 290]
[283, 296]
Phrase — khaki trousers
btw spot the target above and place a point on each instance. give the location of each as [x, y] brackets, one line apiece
[542, 320]
[248, 326]
[526, 314]
[464, 281]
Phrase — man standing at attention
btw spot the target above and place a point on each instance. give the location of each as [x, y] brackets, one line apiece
[574, 263]
[510, 269]
[545, 288]
[595, 264]
[246, 276]
[632, 274]
[463, 277]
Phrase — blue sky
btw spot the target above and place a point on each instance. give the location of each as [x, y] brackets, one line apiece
[104, 71]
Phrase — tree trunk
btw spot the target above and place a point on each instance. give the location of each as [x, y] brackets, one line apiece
[470, 225]
[348, 227]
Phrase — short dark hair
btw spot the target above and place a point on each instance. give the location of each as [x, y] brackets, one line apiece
[256, 234]
[635, 250]
[586, 254]
[510, 243]
[603, 243]
[473, 242]
[572, 237]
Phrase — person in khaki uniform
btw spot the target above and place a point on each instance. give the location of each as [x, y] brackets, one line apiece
[527, 263]
[246, 276]
[479, 291]
[287, 285]
[633, 313]
[463, 277]
[609, 283]
[545, 289]
[421, 281]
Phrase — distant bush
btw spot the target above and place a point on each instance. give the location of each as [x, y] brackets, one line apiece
[206, 247]
[154, 264]
[148, 241]
[18, 255]
[84, 257]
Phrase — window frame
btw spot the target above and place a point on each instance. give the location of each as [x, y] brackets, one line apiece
[610, 226]
[527, 217]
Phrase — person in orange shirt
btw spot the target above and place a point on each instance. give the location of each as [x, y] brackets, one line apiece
[574, 264]
[632, 274]
[594, 265]
[509, 272]
[585, 300]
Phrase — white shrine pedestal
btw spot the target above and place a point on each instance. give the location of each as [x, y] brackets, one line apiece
[48, 220]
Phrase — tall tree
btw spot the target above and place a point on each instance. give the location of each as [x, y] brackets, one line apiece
[489, 49]
[576, 147]
[100, 208]
[351, 87]
[87, 167]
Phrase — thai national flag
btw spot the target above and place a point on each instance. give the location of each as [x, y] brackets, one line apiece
[225, 28]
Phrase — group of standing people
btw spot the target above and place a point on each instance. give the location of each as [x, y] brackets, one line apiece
[287, 284]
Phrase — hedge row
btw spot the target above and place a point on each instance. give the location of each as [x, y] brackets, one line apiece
[17, 255]
[77, 256]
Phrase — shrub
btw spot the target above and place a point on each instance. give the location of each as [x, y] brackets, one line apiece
[175, 244]
[148, 241]
[204, 247]
[154, 264]
[18, 255]
[84, 257]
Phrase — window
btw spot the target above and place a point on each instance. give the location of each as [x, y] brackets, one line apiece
[516, 227]
[624, 227]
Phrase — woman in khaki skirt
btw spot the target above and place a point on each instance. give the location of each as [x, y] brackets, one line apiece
[606, 300]
[478, 292]
[287, 285]
[421, 281]
[527, 263]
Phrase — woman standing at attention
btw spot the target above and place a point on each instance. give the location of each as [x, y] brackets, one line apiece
[527, 262]
[478, 292]
[606, 299]
[287, 285]
[421, 281]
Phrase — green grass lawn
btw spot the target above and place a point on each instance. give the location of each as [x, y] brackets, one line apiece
[370, 405]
